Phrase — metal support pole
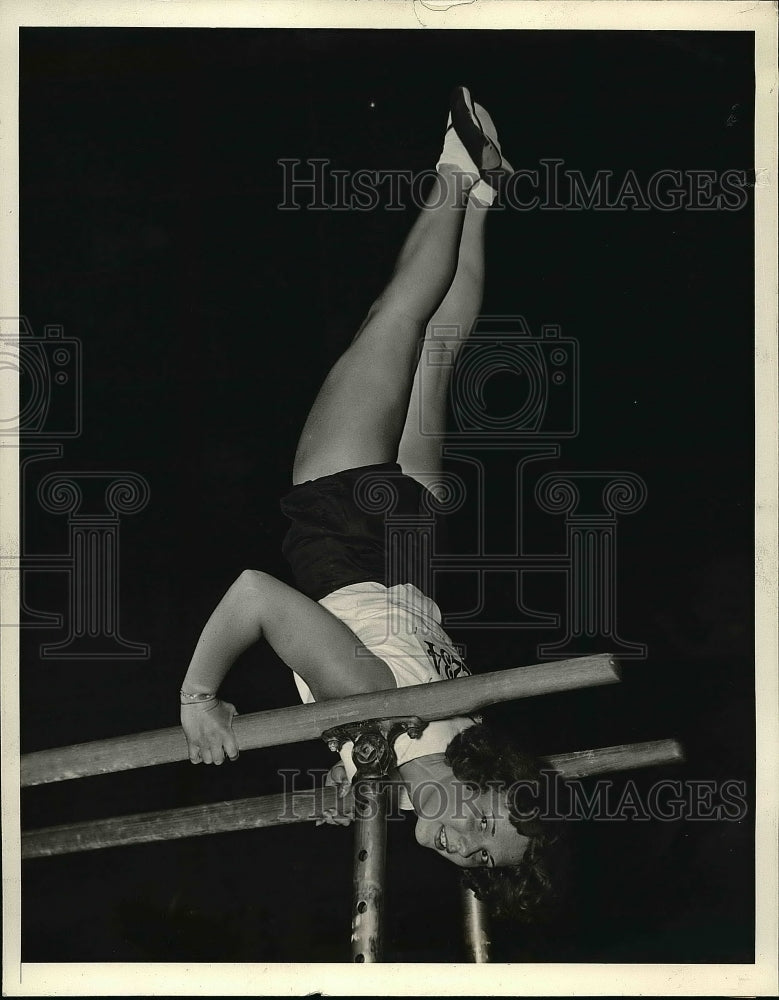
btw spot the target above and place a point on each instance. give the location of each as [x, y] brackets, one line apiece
[373, 753]
[370, 849]
[476, 922]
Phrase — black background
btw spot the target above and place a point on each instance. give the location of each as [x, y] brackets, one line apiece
[149, 230]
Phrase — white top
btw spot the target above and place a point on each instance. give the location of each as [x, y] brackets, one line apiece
[403, 627]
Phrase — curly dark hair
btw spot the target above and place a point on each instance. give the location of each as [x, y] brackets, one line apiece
[532, 890]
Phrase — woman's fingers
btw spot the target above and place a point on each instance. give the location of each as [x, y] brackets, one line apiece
[231, 746]
[210, 734]
[215, 753]
[336, 774]
[336, 777]
[333, 818]
[194, 750]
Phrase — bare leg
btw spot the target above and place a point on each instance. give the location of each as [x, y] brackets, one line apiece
[419, 452]
[358, 417]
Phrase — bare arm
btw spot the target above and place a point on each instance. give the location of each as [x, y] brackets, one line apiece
[307, 637]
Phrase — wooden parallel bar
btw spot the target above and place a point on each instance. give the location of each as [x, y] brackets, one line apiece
[274, 810]
[172, 824]
[299, 723]
[625, 757]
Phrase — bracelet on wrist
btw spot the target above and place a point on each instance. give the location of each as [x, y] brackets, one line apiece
[196, 699]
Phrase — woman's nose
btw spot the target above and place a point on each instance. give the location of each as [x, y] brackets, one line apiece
[462, 845]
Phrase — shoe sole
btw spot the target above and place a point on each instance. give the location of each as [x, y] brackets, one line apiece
[486, 156]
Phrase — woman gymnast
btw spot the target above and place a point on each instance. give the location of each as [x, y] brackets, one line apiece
[364, 430]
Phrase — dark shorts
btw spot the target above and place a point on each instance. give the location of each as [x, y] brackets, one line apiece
[373, 523]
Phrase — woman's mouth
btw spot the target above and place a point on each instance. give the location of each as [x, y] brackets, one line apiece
[441, 841]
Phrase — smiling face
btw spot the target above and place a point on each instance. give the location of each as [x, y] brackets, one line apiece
[470, 830]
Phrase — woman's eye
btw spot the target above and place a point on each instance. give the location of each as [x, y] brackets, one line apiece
[483, 823]
[485, 856]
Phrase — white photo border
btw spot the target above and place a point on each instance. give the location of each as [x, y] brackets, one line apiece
[758, 979]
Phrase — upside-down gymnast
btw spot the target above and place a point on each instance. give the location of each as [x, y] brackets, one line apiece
[332, 631]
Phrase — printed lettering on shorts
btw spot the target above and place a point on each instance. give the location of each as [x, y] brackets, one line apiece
[445, 661]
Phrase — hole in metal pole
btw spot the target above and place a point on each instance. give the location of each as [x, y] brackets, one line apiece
[359, 958]
[362, 906]
[362, 855]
